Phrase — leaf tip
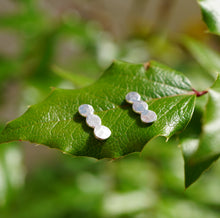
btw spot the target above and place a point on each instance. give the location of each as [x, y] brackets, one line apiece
[187, 183]
[167, 138]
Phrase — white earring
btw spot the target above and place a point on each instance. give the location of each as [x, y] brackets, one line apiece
[94, 121]
[141, 107]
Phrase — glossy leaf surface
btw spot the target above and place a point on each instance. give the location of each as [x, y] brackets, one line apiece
[56, 122]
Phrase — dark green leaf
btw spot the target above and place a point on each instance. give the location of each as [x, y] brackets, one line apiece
[200, 153]
[211, 15]
[56, 123]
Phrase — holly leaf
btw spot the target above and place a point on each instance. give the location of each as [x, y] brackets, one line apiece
[211, 14]
[201, 152]
[55, 122]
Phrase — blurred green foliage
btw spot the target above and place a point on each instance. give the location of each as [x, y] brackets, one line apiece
[149, 184]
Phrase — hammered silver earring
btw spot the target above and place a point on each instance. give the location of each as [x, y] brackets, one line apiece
[94, 121]
[141, 107]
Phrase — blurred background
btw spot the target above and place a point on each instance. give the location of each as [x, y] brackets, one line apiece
[68, 44]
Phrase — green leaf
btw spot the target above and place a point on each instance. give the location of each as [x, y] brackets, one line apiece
[206, 57]
[200, 152]
[56, 122]
[76, 79]
[211, 14]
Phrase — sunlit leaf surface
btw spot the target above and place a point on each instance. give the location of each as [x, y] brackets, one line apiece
[211, 14]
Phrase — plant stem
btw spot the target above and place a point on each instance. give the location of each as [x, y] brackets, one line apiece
[200, 93]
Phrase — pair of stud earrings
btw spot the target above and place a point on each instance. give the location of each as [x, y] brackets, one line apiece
[102, 132]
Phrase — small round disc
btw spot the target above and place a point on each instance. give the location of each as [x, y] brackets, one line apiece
[131, 97]
[93, 120]
[85, 110]
[139, 106]
[102, 132]
[148, 116]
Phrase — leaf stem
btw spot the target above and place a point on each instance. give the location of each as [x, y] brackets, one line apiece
[200, 93]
